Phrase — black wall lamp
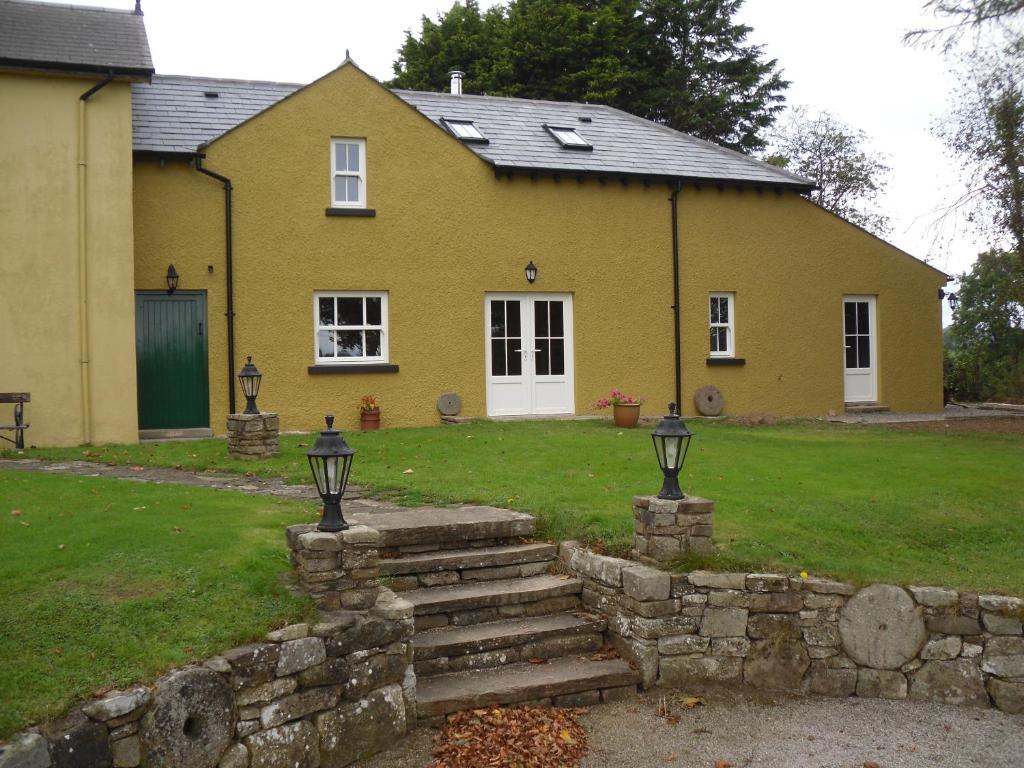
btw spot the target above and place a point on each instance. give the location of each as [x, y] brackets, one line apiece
[172, 279]
[531, 272]
[952, 298]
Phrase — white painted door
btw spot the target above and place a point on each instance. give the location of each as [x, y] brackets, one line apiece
[860, 350]
[529, 354]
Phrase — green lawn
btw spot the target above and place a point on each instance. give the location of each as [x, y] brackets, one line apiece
[863, 504]
[106, 582]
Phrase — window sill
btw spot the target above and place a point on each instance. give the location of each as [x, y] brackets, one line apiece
[351, 212]
[354, 368]
[726, 361]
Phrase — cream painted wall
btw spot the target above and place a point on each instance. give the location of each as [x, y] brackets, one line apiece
[447, 231]
[39, 340]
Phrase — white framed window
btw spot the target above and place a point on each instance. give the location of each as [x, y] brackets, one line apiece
[722, 308]
[465, 130]
[350, 327]
[348, 173]
[569, 138]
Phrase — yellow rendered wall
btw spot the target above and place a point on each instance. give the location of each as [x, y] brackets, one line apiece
[447, 232]
[39, 318]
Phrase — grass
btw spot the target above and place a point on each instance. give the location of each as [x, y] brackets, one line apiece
[863, 504]
[107, 582]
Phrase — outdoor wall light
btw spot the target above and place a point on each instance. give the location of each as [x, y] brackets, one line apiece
[172, 279]
[331, 459]
[531, 272]
[952, 298]
[671, 442]
[250, 378]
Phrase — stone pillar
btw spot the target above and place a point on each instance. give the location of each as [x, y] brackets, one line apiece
[253, 435]
[665, 530]
[339, 570]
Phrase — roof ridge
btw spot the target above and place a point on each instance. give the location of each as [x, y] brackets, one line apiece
[205, 78]
[732, 153]
[503, 98]
[69, 6]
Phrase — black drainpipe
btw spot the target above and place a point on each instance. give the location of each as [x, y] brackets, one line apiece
[674, 200]
[229, 269]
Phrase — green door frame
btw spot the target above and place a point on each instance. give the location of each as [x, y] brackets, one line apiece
[173, 389]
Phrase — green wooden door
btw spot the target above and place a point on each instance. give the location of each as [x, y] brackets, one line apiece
[170, 356]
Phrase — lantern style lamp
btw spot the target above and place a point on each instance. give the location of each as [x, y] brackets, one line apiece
[172, 279]
[331, 459]
[671, 442]
[531, 272]
[954, 301]
[250, 378]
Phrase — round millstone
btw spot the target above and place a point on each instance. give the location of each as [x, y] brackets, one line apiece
[191, 722]
[881, 627]
[709, 401]
[449, 404]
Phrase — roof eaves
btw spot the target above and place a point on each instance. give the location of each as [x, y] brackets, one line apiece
[74, 68]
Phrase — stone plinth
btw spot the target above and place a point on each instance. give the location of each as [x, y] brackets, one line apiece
[253, 435]
[665, 530]
[339, 570]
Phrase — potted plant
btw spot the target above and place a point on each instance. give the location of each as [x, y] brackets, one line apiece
[369, 413]
[625, 408]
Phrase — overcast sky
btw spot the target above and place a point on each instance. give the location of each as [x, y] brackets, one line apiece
[842, 55]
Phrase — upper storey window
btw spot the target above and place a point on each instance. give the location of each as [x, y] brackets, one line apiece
[569, 138]
[348, 173]
[465, 130]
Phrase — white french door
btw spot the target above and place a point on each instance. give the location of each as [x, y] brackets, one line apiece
[529, 354]
[860, 367]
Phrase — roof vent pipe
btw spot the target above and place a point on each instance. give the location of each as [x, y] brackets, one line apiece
[457, 76]
[138, 8]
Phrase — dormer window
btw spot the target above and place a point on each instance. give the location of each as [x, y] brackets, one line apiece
[465, 130]
[569, 138]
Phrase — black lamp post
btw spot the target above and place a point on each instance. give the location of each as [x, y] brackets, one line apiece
[331, 460]
[172, 279]
[531, 272]
[250, 378]
[671, 442]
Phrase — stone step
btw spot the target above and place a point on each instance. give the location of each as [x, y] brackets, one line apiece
[427, 529]
[569, 681]
[474, 602]
[497, 643]
[430, 569]
[865, 408]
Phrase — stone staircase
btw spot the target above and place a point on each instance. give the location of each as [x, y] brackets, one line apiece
[495, 623]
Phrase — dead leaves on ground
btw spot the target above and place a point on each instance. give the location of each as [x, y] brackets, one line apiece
[521, 737]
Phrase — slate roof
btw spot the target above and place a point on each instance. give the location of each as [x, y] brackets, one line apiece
[73, 38]
[622, 143]
[171, 114]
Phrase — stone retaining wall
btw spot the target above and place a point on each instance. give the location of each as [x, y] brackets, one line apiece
[809, 635]
[254, 435]
[311, 695]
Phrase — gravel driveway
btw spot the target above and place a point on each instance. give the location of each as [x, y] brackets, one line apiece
[756, 731]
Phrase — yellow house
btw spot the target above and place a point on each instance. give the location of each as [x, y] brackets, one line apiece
[526, 256]
[66, 243]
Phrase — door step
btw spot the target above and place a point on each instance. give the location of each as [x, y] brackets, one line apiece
[562, 682]
[478, 602]
[431, 569]
[159, 435]
[865, 408]
[404, 530]
[497, 643]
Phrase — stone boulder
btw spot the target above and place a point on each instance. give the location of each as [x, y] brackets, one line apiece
[950, 682]
[191, 722]
[881, 627]
[295, 745]
[363, 728]
[1008, 696]
[776, 664]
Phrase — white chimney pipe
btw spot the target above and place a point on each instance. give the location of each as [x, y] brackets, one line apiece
[457, 76]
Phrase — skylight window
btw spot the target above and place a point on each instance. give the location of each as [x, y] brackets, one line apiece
[568, 138]
[465, 130]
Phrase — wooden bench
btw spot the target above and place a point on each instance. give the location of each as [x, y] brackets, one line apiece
[19, 426]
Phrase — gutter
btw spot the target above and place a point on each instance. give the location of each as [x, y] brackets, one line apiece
[674, 202]
[229, 273]
[83, 263]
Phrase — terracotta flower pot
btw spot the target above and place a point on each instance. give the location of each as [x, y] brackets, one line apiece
[626, 415]
[369, 420]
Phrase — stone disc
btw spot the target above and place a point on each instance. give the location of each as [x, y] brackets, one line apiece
[449, 404]
[881, 627]
[709, 401]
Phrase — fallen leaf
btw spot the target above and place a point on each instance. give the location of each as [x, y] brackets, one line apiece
[15, 513]
[60, 546]
[407, 472]
[723, 764]
[690, 702]
[136, 468]
[24, 522]
[871, 764]
[536, 660]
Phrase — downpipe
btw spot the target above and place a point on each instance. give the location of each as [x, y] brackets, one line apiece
[674, 202]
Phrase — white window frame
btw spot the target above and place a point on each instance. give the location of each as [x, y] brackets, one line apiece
[360, 174]
[568, 138]
[730, 332]
[383, 328]
[465, 130]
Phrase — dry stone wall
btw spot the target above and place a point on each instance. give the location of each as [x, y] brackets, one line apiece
[312, 695]
[254, 435]
[808, 635]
